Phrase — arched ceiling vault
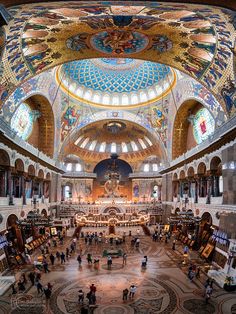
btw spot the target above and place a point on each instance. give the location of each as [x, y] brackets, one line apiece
[193, 39]
[87, 142]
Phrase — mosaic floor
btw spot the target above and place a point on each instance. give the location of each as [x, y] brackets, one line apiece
[162, 287]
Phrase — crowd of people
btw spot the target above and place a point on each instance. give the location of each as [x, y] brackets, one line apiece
[54, 252]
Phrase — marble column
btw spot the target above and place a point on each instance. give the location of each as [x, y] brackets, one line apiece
[196, 190]
[9, 186]
[23, 189]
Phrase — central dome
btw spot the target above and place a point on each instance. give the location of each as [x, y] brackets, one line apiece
[116, 82]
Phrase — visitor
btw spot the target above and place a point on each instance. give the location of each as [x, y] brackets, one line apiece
[144, 263]
[45, 267]
[125, 294]
[137, 242]
[67, 254]
[79, 259]
[23, 279]
[58, 256]
[132, 291]
[49, 286]
[21, 285]
[93, 288]
[31, 277]
[198, 272]
[186, 249]
[124, 259]
[13, 288]
[81, 296]
[96, 263]
[208, 293]
[63, 260]
[173, 245]
[109, 262]
[39, 287]
[89, 258]
[52, 259]
[48, 293]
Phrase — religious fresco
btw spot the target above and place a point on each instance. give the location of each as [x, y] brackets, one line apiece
[73, 116]
[187, 32]
[119, 42]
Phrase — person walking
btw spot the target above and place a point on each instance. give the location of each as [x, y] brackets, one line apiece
[79, 259]
[63, 260]
[93, 288]
[132, 291]
[208, 293]
[173, 245]
[89, 258]
[58, 256]
[125, 294]
[124, 259]
[52, 259]
[109, 262]
[67, 254]
[39, 287]
[31, 278]
[81, 296]
[45, 267]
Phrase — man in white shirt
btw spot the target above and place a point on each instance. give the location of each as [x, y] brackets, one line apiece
[132, 291]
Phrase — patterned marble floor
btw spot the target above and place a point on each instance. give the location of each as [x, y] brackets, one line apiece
[162, 287]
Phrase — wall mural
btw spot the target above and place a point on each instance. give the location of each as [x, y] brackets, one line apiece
[188, 33]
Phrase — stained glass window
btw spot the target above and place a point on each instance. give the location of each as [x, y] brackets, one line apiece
[22, 121]
[203, 125]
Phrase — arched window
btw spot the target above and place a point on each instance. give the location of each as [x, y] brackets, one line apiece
[151, 94]
[78, 140]
[92, 145]
[96, 98]
[106, 99]
[134, 146]
[141, 142]
[115, 100]
[154, 167]
[88, 95]
[125, 99]
[78, 167]
[102, 147]
[147, 139]
[113, 147]
[143, 97]
[146, 168]
[69, 167]
[124, 147]
[134, 99]
[23, 119]
[67, 192]
[85, 142]
[221, 184]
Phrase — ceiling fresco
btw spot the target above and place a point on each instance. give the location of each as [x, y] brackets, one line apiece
[192, 38]
[116, 82]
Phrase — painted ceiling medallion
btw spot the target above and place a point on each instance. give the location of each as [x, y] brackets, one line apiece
[119, 42]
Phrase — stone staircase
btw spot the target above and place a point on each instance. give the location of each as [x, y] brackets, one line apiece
[5, 283]
[219, 276]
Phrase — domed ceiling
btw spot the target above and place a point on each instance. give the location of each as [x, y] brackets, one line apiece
[115, 81]
[99, 139]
